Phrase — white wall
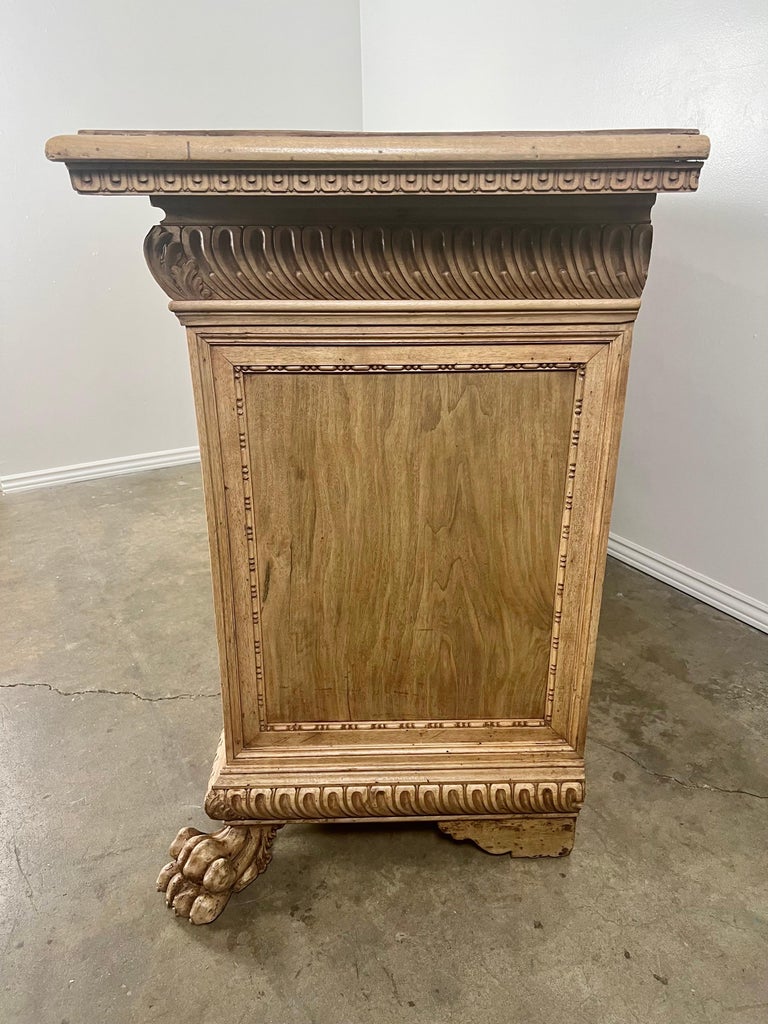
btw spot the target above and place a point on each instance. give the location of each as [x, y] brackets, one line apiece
[93, 365]
[693, 474]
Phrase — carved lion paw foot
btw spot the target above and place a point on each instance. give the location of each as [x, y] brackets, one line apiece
[207, 869]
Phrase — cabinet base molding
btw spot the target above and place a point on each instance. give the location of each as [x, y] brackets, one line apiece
[531, 813]
[208, 867]
[521, 836]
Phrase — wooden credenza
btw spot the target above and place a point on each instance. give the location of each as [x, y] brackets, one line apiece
[409, 357]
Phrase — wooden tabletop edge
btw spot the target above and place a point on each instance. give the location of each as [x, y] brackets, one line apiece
[304, 148]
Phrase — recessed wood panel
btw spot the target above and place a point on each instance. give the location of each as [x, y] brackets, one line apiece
[406, 530]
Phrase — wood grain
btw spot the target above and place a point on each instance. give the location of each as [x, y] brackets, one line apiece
[407, 537]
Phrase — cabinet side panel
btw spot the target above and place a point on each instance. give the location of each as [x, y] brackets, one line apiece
[407, 529]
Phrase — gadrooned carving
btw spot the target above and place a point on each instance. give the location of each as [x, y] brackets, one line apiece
[285, 803]
[108, 180]
[289, 262]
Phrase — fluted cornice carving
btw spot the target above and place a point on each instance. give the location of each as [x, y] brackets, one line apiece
[462, 262]
[388, 800]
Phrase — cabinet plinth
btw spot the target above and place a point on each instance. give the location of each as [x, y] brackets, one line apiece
[409, 357]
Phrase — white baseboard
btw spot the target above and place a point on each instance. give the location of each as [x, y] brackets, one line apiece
[732, 602]
[96, 470]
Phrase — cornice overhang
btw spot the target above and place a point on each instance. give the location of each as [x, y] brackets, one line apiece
[341, 164]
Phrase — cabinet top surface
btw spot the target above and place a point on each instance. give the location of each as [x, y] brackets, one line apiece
[312, 148]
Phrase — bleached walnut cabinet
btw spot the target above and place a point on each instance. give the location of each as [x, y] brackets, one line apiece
[409, 357]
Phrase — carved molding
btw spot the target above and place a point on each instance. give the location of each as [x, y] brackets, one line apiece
[404, 725]
[532, 366]
[565, 533]
[504, 262]
[389, 800]
[106, 179]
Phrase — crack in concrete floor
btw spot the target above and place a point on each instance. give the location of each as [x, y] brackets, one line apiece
[685, 783]
[113, 693]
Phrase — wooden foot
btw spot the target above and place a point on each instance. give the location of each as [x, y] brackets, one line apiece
[207, 869]
[519, 837]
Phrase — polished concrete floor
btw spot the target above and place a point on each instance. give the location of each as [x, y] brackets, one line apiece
[108, 723]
